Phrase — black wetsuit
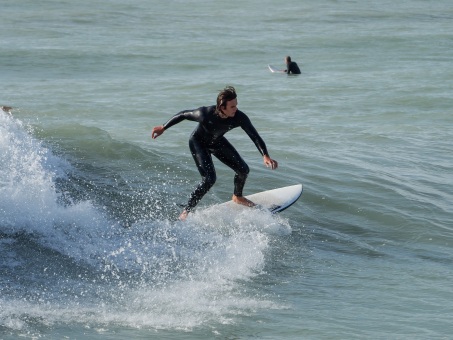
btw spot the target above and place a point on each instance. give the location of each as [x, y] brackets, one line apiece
[207, 139]
[293, 68]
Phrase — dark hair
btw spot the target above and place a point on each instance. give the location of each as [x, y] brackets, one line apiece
[227, 94]
[288, 59]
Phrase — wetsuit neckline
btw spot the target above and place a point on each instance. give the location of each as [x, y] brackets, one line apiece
[219, 114]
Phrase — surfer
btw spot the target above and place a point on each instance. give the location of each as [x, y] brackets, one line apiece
[291, 66]
[208, 139]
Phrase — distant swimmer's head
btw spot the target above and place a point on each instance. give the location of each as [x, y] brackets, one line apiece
[227, 102]
[287, 59]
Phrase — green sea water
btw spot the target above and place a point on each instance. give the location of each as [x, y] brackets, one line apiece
[89, 243]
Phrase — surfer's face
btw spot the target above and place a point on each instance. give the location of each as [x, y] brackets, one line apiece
[230, 108]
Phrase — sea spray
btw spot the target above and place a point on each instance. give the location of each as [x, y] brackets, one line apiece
[74, 263]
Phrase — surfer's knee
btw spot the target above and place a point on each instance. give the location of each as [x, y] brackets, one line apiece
[243, 171]
[210, 180]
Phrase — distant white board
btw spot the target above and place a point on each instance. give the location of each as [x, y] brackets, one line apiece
[275, 200]
[274, 70]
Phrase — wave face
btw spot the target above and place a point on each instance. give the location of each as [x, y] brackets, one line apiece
[65, 259]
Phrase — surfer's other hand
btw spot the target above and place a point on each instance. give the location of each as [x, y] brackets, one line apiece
[270, 163]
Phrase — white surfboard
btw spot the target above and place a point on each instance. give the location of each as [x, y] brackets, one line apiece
[274, 70]
[275, 200]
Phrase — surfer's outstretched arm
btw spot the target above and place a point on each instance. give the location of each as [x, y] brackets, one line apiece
[193, 115]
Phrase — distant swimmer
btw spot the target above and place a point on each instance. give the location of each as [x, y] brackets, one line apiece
[208, 139]
[7, 109]
[291, 66]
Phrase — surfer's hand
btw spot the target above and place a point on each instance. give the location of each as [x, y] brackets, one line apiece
[270, 163]
[157, 131]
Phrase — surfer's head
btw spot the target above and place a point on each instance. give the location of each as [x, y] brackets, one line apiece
[227, 102]
[288, 59]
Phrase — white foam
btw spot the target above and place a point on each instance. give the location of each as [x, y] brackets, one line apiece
[29, 201]
[158, 274]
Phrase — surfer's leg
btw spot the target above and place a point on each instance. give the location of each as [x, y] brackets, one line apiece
[229, 156]
[203, 160]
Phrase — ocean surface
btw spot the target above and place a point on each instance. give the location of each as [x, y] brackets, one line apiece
[90, 244]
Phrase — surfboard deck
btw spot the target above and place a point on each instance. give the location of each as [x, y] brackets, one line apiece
[275, 70]
[275, 200]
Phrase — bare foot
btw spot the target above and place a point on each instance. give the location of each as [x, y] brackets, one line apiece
[183, 215]
[242, 200]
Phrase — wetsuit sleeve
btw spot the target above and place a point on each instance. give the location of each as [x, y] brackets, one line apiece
[193, 115]
[248, 127]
